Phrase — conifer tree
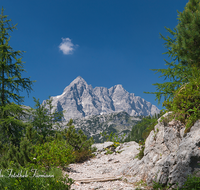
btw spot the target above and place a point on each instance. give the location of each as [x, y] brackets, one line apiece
[188, 38]
[45, 120]
[184, 49]
[11, 84]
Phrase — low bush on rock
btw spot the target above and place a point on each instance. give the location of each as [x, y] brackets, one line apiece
[81, 145]
[186, 102]
[113, 137]
[54, 153]
[192, 183]
[141, 150]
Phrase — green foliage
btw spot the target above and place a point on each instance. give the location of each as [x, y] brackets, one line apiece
[142, 129]
[112, 137]
[54, 153]
[81, 145]
[188, 38]
[192, 183]
[10, 73]
[19, 155]
[11, 83]
[33, 179]
[19, 160]
[38, 143]
[108, 151]
[12, 128]
[186, 103]
[32, 139]
[184, 48]
[155, 133]
[182, 94]
[116, 144]
[139, 184]
[178, 74]
[45, 120]
[141, 150]
[65, 147]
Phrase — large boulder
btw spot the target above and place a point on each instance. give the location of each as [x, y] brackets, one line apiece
[169, 155]
[102, 146]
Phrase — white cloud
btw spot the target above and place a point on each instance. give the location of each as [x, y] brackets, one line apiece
[66, 46]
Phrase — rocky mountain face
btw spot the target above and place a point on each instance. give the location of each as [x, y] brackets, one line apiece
[169, 155]
[80, 100]
[118, 123]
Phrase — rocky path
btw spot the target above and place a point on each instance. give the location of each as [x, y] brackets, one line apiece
[102, 171]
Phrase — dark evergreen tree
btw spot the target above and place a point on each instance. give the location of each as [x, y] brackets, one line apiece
[42, 127]
[79, 141]
[11, 83]
[142, 129]
[188, 38]
[46, 121]
[11, 126]
[184, 49]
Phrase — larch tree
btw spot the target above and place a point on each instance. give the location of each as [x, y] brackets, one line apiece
[46, 121]
[183, 48]
[182, 93]
[11, 84]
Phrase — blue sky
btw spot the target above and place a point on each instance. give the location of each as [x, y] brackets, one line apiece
[107, 42]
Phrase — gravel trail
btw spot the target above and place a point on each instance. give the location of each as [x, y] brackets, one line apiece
[103, 170]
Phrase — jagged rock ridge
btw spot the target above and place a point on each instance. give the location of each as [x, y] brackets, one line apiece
[80, 100]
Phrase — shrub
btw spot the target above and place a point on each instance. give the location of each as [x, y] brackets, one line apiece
[141, 150]
[34, 179]
[81, 156]
[81, 145]
[192, 182]
[54, 153]
[186, 102]
[113, 137]
[19, 155]
[108, 151]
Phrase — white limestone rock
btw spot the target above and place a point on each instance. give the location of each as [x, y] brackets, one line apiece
[169, 156]
[102, 146]
[80, 100]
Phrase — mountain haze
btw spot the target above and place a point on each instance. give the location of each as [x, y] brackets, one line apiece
[80, 100]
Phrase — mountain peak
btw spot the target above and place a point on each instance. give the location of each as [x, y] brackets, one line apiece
[119, 86]
[78, 79]
[80, 100]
